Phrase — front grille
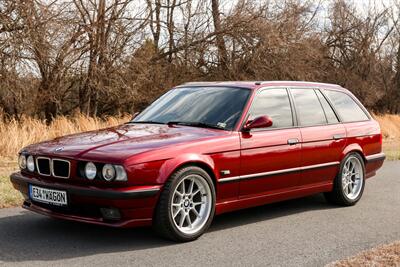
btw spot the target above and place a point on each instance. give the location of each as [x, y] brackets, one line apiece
[43, 166]
[60, 168]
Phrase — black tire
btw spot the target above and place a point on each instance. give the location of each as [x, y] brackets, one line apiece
[337, 195]
[162, 219]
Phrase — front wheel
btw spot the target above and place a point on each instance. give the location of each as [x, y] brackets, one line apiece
[186, 206]
[349, 184]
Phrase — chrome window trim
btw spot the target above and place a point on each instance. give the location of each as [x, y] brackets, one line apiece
[37, 165]
[261, 174]
[52, 168]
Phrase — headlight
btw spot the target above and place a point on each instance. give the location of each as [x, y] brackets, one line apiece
[90, 170]
[30, 164]
[121, 173]
[108, 172]
[22, 161]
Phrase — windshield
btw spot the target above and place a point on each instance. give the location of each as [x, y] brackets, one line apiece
[214, 107]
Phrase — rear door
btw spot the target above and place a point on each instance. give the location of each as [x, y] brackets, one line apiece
[270, 156]
[323, 136]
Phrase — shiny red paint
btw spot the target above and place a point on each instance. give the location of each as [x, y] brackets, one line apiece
[150, 153]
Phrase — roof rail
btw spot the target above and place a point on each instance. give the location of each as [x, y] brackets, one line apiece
[320, 83]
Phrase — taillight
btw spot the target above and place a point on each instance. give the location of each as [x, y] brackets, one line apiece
[380, 138]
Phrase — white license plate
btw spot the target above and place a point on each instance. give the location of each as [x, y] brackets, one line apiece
[48, 196]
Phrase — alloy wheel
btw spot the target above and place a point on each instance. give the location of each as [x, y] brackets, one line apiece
[352, 177]
[191, 204]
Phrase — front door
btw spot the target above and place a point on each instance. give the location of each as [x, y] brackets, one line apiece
[270, 157]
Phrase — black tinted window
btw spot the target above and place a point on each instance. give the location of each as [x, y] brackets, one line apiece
[308, 107]
[329, 113]
[218, 106]
[275, 104]
[346, 107]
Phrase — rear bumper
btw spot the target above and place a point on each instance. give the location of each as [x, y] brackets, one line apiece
[376, 157]
[373, 163]
[135, 204]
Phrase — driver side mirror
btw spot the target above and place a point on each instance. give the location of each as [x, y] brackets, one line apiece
[259, 122]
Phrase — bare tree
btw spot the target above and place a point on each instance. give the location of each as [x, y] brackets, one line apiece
[222, 53]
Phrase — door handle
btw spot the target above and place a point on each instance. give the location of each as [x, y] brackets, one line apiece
[337, 136]
[292, 141]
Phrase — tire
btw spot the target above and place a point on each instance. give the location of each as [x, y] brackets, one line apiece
[345, 195]
[179, 200]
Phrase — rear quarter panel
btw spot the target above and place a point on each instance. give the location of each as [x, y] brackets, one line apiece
[364, 137]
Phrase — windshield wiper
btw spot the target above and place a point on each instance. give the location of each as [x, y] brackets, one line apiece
[150, 122]
[196, 124]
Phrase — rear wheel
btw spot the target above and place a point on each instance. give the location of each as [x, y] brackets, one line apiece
[186, 206]
[349, 183]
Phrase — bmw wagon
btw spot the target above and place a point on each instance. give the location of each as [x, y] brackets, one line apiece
[203, 149]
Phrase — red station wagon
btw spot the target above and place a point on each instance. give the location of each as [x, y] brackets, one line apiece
[203, 149]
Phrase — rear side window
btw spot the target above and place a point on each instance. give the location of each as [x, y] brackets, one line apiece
[308, 108]
[329, 113]
[346, 107]
[275, 104]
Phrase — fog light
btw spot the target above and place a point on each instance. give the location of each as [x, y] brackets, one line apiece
[110, 213]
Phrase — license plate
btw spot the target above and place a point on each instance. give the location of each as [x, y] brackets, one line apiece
[48, 196]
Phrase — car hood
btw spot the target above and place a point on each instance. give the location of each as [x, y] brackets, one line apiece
[118, 143]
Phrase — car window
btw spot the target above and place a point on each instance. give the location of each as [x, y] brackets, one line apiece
[215, 106]
[275, 104]
[329, 113]
[346, 107]
[308, 108]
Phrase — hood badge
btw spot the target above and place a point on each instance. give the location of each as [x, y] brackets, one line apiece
[59, 149]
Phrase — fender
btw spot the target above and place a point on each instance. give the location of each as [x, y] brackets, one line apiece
[354, 147]
[169, 166]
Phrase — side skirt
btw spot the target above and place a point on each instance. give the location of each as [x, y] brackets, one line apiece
[271, 198]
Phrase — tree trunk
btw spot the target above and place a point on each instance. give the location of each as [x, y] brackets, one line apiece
[395, 106]
[222, 53]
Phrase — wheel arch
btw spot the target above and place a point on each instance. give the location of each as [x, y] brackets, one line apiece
[353, 148]
[207, 168]
[204, 162]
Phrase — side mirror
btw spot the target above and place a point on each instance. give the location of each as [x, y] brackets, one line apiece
[259, 122]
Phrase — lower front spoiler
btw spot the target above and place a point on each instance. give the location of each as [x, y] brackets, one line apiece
[124, 223]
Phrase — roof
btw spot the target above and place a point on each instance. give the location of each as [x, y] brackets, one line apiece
[258, 84]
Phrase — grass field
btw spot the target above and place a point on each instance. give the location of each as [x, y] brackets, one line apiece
[390, 125]
[386, 255]
[17, 134]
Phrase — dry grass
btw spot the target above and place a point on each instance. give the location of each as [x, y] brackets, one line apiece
[390, 125]
[16, 134]
[8, 196]
[386, 255]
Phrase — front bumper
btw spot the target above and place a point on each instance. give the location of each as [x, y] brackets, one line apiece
[135, 204]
